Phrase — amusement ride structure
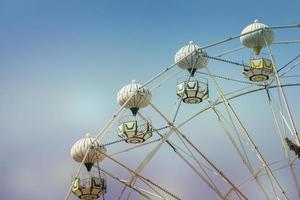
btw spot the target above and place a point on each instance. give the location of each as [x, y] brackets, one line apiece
[259, 73]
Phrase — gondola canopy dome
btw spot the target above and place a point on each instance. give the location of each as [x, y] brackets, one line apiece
[134, 96]
[256, 40]
[194, 61]
[80, 148]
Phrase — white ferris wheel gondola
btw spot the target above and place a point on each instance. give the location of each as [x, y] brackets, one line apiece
[191, 58]
[133, 130]
[193, 90]
[257, 37]
[92, 187]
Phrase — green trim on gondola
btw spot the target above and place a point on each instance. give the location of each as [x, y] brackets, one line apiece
[191, 92]
[95, 184]
[134, 110]
[130, 132]
[96, 188]
[88, 166]
[192, 85]
[129, 126]
[192, 71]
[75, 184]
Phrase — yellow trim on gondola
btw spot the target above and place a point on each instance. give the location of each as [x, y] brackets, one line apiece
[260, 63]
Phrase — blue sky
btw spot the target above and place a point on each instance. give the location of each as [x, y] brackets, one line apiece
[62, 63]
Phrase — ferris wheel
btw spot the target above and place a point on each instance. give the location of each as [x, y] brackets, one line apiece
[135, 129]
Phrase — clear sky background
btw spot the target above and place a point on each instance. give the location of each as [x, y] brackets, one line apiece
[62, 63]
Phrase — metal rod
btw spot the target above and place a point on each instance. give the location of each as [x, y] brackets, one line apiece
[102, 133]
[284, 98]
[244, 157]
[226, 52]
[220, 101]
[239, 35]
[251, 141]
[287, 42]
[175, 149]
[123, 182]
[139, 175]
[202, 155]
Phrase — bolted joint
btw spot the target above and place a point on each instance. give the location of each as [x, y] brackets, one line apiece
[171, 124]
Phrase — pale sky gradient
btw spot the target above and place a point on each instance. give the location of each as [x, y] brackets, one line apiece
[62, 63]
